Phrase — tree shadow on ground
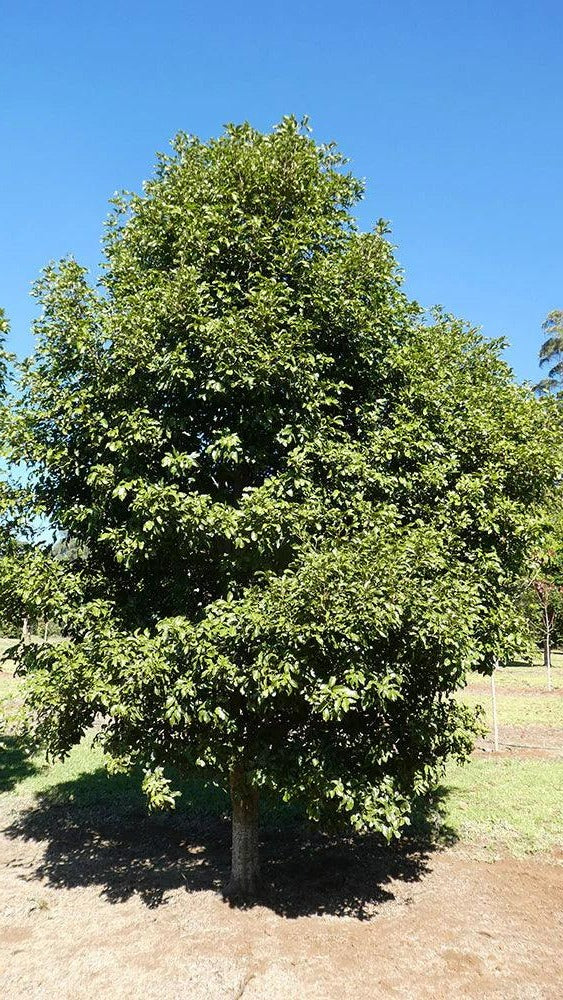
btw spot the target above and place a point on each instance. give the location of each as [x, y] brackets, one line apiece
[96, 832]
[16, 762]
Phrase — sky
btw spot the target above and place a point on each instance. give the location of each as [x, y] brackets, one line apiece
[450, 111]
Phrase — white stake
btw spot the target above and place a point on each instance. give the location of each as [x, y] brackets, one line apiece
[495, 719]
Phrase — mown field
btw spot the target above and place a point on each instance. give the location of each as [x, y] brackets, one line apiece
[90, 883]
[509, 801]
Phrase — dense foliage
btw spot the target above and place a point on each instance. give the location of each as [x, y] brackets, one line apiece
[14, 508]
[301, 507]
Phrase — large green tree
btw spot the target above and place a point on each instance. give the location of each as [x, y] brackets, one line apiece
[302, 508]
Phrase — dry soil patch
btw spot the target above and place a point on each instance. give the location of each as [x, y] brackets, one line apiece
[89, 912]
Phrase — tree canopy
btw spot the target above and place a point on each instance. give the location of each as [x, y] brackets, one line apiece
[551, 353]
[301, 506]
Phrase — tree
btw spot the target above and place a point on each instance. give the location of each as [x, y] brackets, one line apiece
[548, 595]
[302, 506]
[13, 497]
[67, 549]
[547, 582]
[551, 353]
[546, 587]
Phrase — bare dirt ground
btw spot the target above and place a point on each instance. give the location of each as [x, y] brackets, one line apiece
[93, 908]
[526, 741]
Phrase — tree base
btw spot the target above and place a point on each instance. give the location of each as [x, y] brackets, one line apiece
[244, 883]
[241, 893]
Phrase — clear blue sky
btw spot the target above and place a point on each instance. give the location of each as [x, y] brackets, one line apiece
[451, 111]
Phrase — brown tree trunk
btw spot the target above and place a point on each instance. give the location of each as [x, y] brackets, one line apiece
[547, 647]
[245, 863]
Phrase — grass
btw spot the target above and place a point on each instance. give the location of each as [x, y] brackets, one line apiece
[506, 805]
[515, 706]
[494, 804]
[8, 694]
[519, 710]
[34, 775]
[523, 676]
[499, 805]
[8, 686]
[82, 781]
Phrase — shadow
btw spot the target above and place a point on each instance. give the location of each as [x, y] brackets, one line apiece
[96, 832]
[16, 762]
[312, 873]
[429, 823]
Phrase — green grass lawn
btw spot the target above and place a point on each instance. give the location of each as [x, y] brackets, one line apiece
[492, 804]
[514, 706]
[504, 804]
[7, 686]
[499, 805]
[519, 710]
[8, 695]
[523, 676]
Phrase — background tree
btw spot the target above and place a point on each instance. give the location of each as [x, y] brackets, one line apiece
[14, 498]
[548, 595]
[547, 561]
[551, 353]
[546, 583]
[303, 508]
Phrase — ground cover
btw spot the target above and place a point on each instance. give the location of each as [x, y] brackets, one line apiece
[522, 676]
[518, 709]
[90, 883]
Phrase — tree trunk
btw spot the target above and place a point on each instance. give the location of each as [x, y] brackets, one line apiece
[245, 863]
[495, 716]
[547, 647]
